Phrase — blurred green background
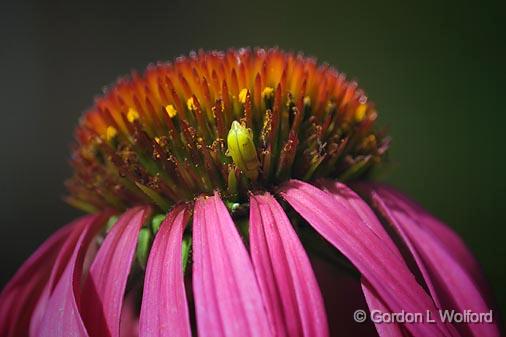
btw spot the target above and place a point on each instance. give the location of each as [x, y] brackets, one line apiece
[435, 70]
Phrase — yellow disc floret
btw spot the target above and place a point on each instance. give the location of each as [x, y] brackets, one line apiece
[243, 95]
[111, 132]
[132, 115]
[171, 111]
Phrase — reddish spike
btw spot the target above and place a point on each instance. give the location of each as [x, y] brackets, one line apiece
[138, 106]
[153, 116]
[247, 111]
[207, 94]
[215, 82]
[297, 119]
[257, 91]
[264, 72]
[189, 135]
[195, 76]
[234, 83]
[243, 76]
[169, 83]
[127, 124]
[222, 73]
[203, 65]
[266, 162]
[283, 79]
[162, 92]
[218, 115]
[321, 99]
[287, 155]
[227, 106]
[201, 124]
[177, 102]
[186, 87]
[275, 116]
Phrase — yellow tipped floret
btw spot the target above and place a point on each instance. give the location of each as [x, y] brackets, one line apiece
[171, 111]
[243, 95]
[242, 149]
[360, 113]
[132, 115]
[110, 133]
[191, 104]
[268, 92]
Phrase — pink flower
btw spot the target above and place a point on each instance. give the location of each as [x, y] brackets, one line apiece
[274, 232]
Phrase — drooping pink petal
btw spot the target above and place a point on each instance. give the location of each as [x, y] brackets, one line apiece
[20, 295]
[382, 268]
[457, 248]
[287, 282]
[104, 288]
[227, 297]
[352, 201]
[59, 266]
[450, 283]
[448, 238]
[61, 316]
[375, 303]
[164, 310]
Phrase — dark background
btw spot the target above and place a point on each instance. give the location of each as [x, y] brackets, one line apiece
[436, 71]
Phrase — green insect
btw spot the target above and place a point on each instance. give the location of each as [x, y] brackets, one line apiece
[242, 149]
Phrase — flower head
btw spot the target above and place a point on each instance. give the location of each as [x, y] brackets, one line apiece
[232, 122]
[217, 190]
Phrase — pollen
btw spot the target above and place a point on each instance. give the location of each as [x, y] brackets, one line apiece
[171, 111]
[360, 113]
[267, 92]
[190, 103]
[232, 122]
[243, 95]
[111, 133]
[132, 115]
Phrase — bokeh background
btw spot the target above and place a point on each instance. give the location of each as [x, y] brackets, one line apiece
[435, 70]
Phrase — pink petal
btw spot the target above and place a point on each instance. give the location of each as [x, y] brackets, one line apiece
[59, 266]
[457, 248]
[228, 301]
[164, 309]
[104, 289]
[61, 316]
[374, 258]
[450, 283]
[354, 203]
[20, 295]
[376, 303]
[287, 282]
[448, 238]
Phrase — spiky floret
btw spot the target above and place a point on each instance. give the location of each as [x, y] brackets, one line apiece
[231, 121]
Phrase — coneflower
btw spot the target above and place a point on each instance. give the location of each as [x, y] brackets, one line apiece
[229, 196]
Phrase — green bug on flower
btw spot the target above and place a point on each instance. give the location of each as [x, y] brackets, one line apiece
[242, 149]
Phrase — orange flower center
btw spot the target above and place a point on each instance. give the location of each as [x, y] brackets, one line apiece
[234, 121]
